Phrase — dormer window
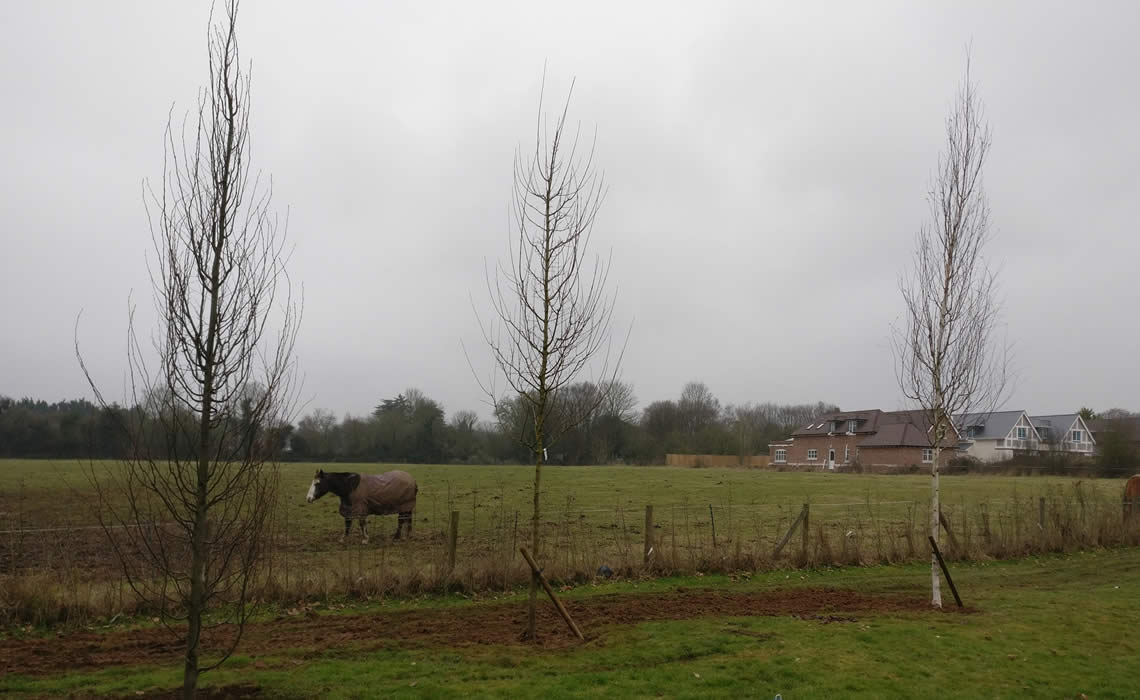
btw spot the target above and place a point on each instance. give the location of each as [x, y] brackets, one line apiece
[834, 426]
[851, 426]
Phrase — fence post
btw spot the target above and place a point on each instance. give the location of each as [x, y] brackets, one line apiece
[648, 533]
[452, 538]
[788, 536]
[712, 520]
[1041, 513]
[806, 530]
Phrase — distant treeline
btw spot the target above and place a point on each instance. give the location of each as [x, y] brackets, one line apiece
[414, 428]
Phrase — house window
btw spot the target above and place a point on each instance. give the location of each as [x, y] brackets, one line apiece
[813, 455]
[1022, 432]
[781, 456]
[847, 454]
[850, 426]
[1078, 436]
[834, 426]
[927, 455]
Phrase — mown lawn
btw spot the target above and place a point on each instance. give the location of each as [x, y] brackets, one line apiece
[1047, 627]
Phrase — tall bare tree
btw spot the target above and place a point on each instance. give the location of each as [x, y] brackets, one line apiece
[551, 310]
[948, 360]
[188, 513]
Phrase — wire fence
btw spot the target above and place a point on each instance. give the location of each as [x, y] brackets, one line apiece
[75, 569]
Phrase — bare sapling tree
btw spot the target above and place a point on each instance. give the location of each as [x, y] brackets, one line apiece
[189, 511]
[948, 359]
[551, 309]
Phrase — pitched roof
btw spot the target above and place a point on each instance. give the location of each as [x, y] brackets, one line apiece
[994, 426]
[1057, 425]
[885, 428]
[821, 425]
[898, 435]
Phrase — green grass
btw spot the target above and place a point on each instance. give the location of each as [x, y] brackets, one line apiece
[477, 492]
[1047, 627]
[592, 516]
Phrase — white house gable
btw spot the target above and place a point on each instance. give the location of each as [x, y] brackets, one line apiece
[1022, 436]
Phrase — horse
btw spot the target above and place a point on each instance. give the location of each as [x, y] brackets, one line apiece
[1132, 497]
[361, 496]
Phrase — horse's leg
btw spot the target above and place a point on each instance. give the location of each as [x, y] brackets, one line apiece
[399, 524]
[347, 527]
[411, 519]
[363, 533]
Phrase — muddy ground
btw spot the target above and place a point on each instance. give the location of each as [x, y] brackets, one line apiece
[485, 623]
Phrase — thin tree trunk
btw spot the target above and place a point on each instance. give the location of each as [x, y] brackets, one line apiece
[935, 582]
[531, 622]
[198, 539]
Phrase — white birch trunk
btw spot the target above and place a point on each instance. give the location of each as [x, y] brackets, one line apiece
[935, 581]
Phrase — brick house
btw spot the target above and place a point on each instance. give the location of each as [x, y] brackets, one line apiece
[874, 440]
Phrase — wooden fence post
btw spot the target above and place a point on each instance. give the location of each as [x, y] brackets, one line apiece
[788, 535]
[648, 533]
[452, 538]
[1041, 513]
[712, 520]
[806, 531]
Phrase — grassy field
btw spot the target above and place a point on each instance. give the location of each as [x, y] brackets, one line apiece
[55, 565]
[1048, 627]
[601, 493]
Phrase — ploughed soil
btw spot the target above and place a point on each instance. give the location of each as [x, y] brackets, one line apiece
[482, 623]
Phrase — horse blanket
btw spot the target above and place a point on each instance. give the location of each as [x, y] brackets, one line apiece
[381, 494]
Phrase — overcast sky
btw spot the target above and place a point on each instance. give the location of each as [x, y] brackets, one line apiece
[767, 165]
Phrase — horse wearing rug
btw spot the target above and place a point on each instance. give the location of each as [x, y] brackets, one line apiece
[361, 496]
[1132, 497]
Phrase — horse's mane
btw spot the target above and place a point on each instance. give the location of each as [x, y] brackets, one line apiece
[348, 479]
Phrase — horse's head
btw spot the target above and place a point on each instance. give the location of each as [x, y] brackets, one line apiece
[319, 487]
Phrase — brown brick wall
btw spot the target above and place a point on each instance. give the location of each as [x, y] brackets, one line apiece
[872, 457]
[798, 451]
[866, 457]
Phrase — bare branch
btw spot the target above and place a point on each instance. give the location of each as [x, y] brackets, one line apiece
[551, 312]
[196, 491]
[948, 358]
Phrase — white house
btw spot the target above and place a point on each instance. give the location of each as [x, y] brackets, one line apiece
[1067, 433]
[997, 436]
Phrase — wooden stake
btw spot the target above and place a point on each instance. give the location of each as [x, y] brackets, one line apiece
[806, 530]
[1041, 513]
[713, 521]
[945, 571]
[648, 533]
[452, 538]
[550, 592]
[788, 536]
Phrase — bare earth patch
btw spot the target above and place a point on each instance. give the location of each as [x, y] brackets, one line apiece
[498, 623]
